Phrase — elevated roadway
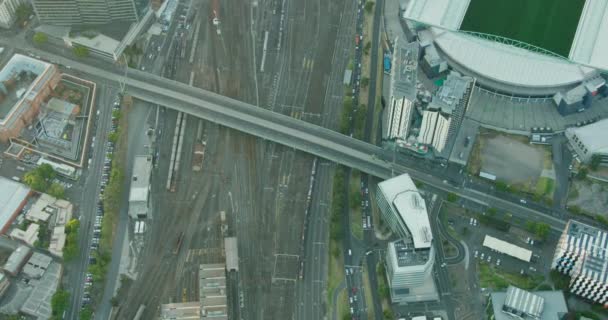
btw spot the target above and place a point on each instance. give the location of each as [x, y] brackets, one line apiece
[285, 130]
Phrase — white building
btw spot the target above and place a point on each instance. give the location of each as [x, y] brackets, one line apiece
[8, 10]
[398, 113]
[434, 129]
[140, 187]
[582, 254]
[409, 261]
[590, 140]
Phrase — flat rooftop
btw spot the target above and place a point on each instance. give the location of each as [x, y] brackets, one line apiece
[545, 305]
[17, 79]
[507, 248]
[407, 255]
[593, 136]
[404, 70]
[12, 195]
[402, 193]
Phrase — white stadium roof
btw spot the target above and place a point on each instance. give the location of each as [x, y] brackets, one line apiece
[510, 65]
[507, 248]
[590, 45]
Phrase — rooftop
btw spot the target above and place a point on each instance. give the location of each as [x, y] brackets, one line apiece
[29, 235]
[18, 81]
[404, 70]
[451, 92]
[232, 253]
[140, 181]
[181, 311]
[16, 259]
[593, 136]
[405, 199]
[507, 248]
[37, 265]
[407, 255]
[447, 13]
[38, 304]
[590, 45]
[538, 305]
[12, 195]
[590, 246]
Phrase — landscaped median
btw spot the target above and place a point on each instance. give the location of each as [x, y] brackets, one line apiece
[112, 199]
[336, 259]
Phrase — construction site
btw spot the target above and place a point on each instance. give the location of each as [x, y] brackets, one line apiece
[211, 184]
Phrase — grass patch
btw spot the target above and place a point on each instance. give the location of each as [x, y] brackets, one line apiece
[544, 187]
[356, 226]
[474, 164]
[549, 24]
[335, 270]
[343, 305]
[496, 279]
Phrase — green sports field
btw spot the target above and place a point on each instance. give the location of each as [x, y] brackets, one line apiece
[549, 24]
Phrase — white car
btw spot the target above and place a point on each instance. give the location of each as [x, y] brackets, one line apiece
[476, 253]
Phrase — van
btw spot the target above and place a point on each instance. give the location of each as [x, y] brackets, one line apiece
[16, 179]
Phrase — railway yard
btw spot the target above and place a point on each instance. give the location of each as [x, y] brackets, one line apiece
[257, 190]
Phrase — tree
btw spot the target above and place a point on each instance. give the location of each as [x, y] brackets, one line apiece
[355, 199]
[369, 6]
[81, 52]
[114, 301]
[582, 173]
[23, 12]
[56, 190]
[40, 38]
[368, 46]
[116, 114]
[86, 313]
[40, 178]
[452, 197]
[113, 137]
[596, 160]
[542, 230]
[388, 314]
[59, 303]
[364, 82]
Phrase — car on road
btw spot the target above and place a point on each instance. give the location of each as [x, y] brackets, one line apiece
[476, 253]
[498, 262]
[354, 290]
[350, 253]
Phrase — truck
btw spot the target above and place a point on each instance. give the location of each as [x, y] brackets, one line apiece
[199, 154]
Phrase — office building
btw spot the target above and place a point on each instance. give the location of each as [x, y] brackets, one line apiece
[140, 187]
[589, 140]
[516, 303]
[434, 129]
[398, 112]
[88, 12]
[8, 12]
[581, 253]
[409, 260]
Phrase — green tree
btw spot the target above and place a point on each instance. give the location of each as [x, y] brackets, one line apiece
[582, 173]
[56, 190]
[388, 314]
[40, 178]
[86, 313]
[596, 160]
[81, 52]
[59, 303]
[364, 82]
[452, 197]
[369, 6]
[116, 114]
[113, 137]
[542, 230]
[368, 46]
[23, 12]
[40, 38]
[355, 199]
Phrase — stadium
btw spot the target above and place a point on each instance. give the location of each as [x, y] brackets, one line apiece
[517, 47]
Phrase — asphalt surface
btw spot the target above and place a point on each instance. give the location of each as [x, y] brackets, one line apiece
[89, 198]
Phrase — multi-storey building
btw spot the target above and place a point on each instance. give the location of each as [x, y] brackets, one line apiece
[398, 113]
[409, 260]
[88, 12]
[590, 140]
[443, 117]
[582, 254]
[8, 10]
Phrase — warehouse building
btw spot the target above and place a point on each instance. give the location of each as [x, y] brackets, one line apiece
[409, 260]
[140, 187]
[581, 253]
[516, 303]
[17, 259]
[589, 141]
[400, 108]
[13, 197]
[507, 248]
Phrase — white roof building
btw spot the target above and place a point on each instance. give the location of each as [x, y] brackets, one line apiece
[516, 303]
[400, 107]
[406, 213]
[13, 196]
[140, 186]
[29, 235]
[507, 248]
[589, 140]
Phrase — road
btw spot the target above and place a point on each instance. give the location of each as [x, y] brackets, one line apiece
[90, 197]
